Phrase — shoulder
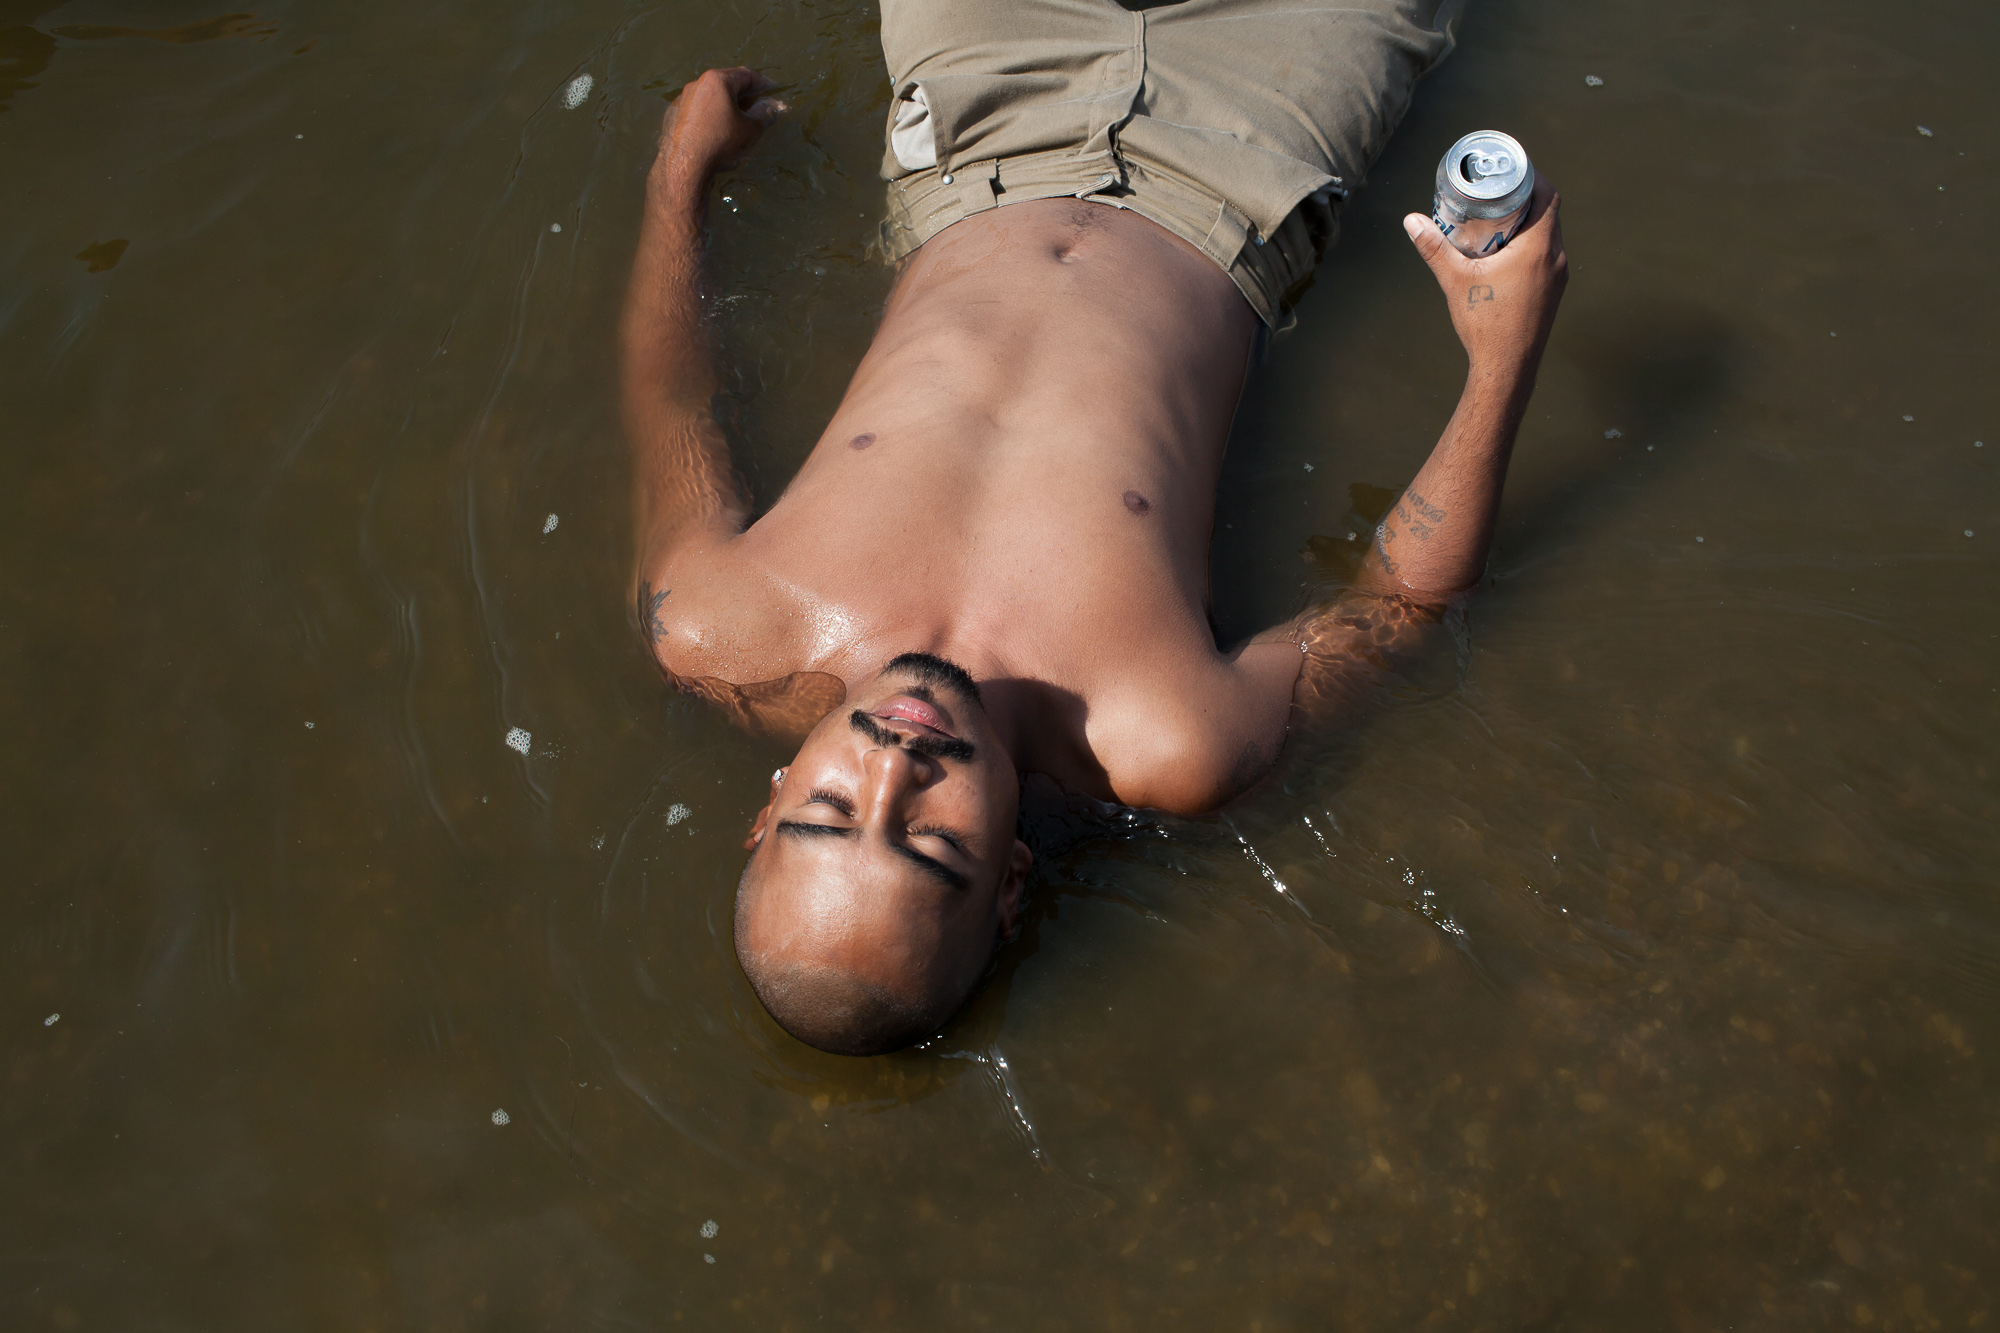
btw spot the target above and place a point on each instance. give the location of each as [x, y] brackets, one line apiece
[719, 634]
[1196, 749]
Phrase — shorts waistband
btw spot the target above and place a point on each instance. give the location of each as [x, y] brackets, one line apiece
[1272, 272]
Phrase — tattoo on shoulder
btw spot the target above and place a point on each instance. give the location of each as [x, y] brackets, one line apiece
[650, 603]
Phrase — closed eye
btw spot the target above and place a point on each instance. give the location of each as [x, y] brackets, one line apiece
[943, 835]
[821, 796]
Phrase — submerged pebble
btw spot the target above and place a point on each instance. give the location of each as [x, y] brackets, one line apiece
[575, 91]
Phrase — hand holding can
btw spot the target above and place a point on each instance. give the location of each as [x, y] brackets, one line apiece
[1483, 186]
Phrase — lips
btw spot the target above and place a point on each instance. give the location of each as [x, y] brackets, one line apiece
[903, 708]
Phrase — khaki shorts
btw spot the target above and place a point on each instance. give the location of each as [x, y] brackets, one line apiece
[1238, 125]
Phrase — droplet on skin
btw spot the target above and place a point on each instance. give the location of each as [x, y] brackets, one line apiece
[1137, 503]
[862, 441]
[576, 90]
[518, 740]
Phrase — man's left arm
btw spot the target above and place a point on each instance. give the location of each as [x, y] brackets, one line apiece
[685, 491]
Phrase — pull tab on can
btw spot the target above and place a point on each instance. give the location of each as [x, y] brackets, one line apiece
[1483, 186]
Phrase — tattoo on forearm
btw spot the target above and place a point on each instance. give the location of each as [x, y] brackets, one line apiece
[650, 603]
[1384, 534]
[1419, 515]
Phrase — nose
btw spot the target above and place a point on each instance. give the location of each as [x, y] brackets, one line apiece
[892, 776]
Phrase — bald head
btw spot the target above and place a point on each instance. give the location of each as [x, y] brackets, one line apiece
[849, 980]
[886, 869]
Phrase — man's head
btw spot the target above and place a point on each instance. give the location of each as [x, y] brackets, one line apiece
[885, 870]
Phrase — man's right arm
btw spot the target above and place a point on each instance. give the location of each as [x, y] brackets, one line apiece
[1431, 547]
[685, 493]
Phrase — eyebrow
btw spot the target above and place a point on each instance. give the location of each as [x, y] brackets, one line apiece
[936, 869]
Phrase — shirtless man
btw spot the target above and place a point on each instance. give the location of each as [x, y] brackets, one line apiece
[995, 561]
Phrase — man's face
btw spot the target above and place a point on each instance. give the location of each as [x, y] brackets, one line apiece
[888, 851]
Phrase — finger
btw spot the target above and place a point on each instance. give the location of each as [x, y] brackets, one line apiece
[1430, 242]
[1543, 203]
[745, 84]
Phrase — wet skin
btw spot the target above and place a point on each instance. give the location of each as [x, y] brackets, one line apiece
[901, 826]
[1021, 479]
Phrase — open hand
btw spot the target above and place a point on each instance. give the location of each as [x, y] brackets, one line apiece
[1504, 304]
[717, 119]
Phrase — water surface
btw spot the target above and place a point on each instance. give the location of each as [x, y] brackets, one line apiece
[1637, 967]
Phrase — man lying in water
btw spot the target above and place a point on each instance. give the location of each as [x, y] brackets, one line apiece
[995, 561]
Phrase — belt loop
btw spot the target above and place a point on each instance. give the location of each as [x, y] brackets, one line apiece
[1226, 236]
[978, 184]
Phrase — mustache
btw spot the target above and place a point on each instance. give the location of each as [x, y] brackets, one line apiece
[931, 747]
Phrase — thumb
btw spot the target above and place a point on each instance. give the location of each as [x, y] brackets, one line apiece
[766, 109]
[1430, 242]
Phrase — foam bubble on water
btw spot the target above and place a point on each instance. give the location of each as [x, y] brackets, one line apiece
[1614, 434]
[549, 524]
[709, 1229]
[50, 1021]
[555, 227]
[575, 91]
[501, 1117]
[1592, 81]
[1968, 532]
[1908, 417]
[676, 813]
[518, 739]
[309, 726]
[1925, 130]
[708, 1258]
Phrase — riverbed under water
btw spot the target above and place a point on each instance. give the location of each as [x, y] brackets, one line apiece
[1638, 968]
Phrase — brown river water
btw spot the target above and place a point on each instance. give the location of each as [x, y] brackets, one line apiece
[1636, 966]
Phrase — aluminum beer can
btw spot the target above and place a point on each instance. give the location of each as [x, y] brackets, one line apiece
[1483, 185]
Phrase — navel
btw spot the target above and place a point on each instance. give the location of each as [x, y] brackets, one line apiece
[862, 441]
[1136, 502]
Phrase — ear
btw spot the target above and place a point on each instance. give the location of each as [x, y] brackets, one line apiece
[764, 816]
[1013, 888]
